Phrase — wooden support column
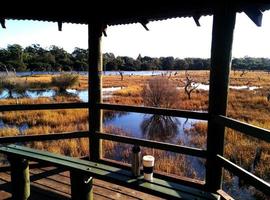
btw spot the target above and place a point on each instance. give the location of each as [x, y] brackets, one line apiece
[222, 39]
[20, 179]
[81, 186]
[95, 88]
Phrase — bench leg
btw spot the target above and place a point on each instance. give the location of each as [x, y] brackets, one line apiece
[81, 186]
[20, 179]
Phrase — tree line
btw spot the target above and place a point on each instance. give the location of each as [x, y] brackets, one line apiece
[36, 58]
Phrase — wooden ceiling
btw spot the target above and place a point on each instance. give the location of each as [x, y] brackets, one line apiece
[116, 12]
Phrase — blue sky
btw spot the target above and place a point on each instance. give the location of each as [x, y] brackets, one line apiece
[178, 37]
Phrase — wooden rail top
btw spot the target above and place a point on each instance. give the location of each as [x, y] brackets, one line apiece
[108, 173]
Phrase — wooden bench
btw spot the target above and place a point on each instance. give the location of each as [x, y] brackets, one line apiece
[81, 173]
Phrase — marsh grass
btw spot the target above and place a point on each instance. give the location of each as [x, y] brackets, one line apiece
[197, 134]
[245, 105]
[70, 147]
[53, 121]
[165, 161]
[237, 189]
[239, 148]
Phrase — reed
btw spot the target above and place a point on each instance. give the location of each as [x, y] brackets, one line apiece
[249, 106]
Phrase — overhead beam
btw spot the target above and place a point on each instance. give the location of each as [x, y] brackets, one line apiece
[3, 22]
[104, 31]
[255, 15]
[144, 23]
[60, 24]
[196, 18]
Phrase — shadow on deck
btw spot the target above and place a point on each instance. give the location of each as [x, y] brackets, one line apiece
[52, 183]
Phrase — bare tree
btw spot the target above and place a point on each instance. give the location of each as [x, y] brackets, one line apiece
[122, 76]
[190, 84]
[244, 71]
[160, 92]
[170, 74]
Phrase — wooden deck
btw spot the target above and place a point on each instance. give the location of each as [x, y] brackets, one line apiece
[52, 183]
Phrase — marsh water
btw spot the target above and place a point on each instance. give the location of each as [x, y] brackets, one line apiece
[153, 127]
[50, 93]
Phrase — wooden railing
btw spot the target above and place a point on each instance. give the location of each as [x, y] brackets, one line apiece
[245, 128]
[154, 144]
[155, 111]
[244, 174]
[248, 129]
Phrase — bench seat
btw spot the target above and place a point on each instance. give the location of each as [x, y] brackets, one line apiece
[170, 190]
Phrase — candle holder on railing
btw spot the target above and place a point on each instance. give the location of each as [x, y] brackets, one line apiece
[148, 167]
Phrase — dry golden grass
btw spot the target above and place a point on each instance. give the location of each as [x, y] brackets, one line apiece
[165, 162]
[239, 148]
[64, 120]
[247, 106]
[71, 147]
[130, 91]
[37, 78]
[4, 132]
[197, 134]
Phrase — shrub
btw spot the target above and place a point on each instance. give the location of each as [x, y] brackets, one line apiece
[13, 85]
[160, 92]
[64, 81]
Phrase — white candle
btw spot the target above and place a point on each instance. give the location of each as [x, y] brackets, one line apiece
[148, 165]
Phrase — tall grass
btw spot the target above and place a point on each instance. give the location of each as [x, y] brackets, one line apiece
[248, 106]
[166, 162]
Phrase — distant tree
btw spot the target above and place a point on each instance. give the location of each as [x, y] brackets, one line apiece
[180, 64]
[38, 59]
[167, 63]
[128, 64]
[148, 63]
[109, 62]
[15, 58]
[63, 59]
[80, 59]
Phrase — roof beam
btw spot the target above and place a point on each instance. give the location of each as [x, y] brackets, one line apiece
[255, 15]
[144, 23]
[59, 25]
[3, 22]
[104, 31]
[196, 18]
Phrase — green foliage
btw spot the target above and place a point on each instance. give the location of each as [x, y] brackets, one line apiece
[36, 58]
[64, 81]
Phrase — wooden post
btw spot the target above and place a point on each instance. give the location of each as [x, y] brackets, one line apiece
[222, 39]
[20, 179]
[95, 88]
[81, 186]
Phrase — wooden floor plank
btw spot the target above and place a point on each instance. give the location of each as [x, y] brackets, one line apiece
[50, 183]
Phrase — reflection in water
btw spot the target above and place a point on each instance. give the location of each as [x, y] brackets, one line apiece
[160, 128]
[50, 93]
[109, 115]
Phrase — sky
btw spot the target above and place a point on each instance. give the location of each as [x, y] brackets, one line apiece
[179, 37]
